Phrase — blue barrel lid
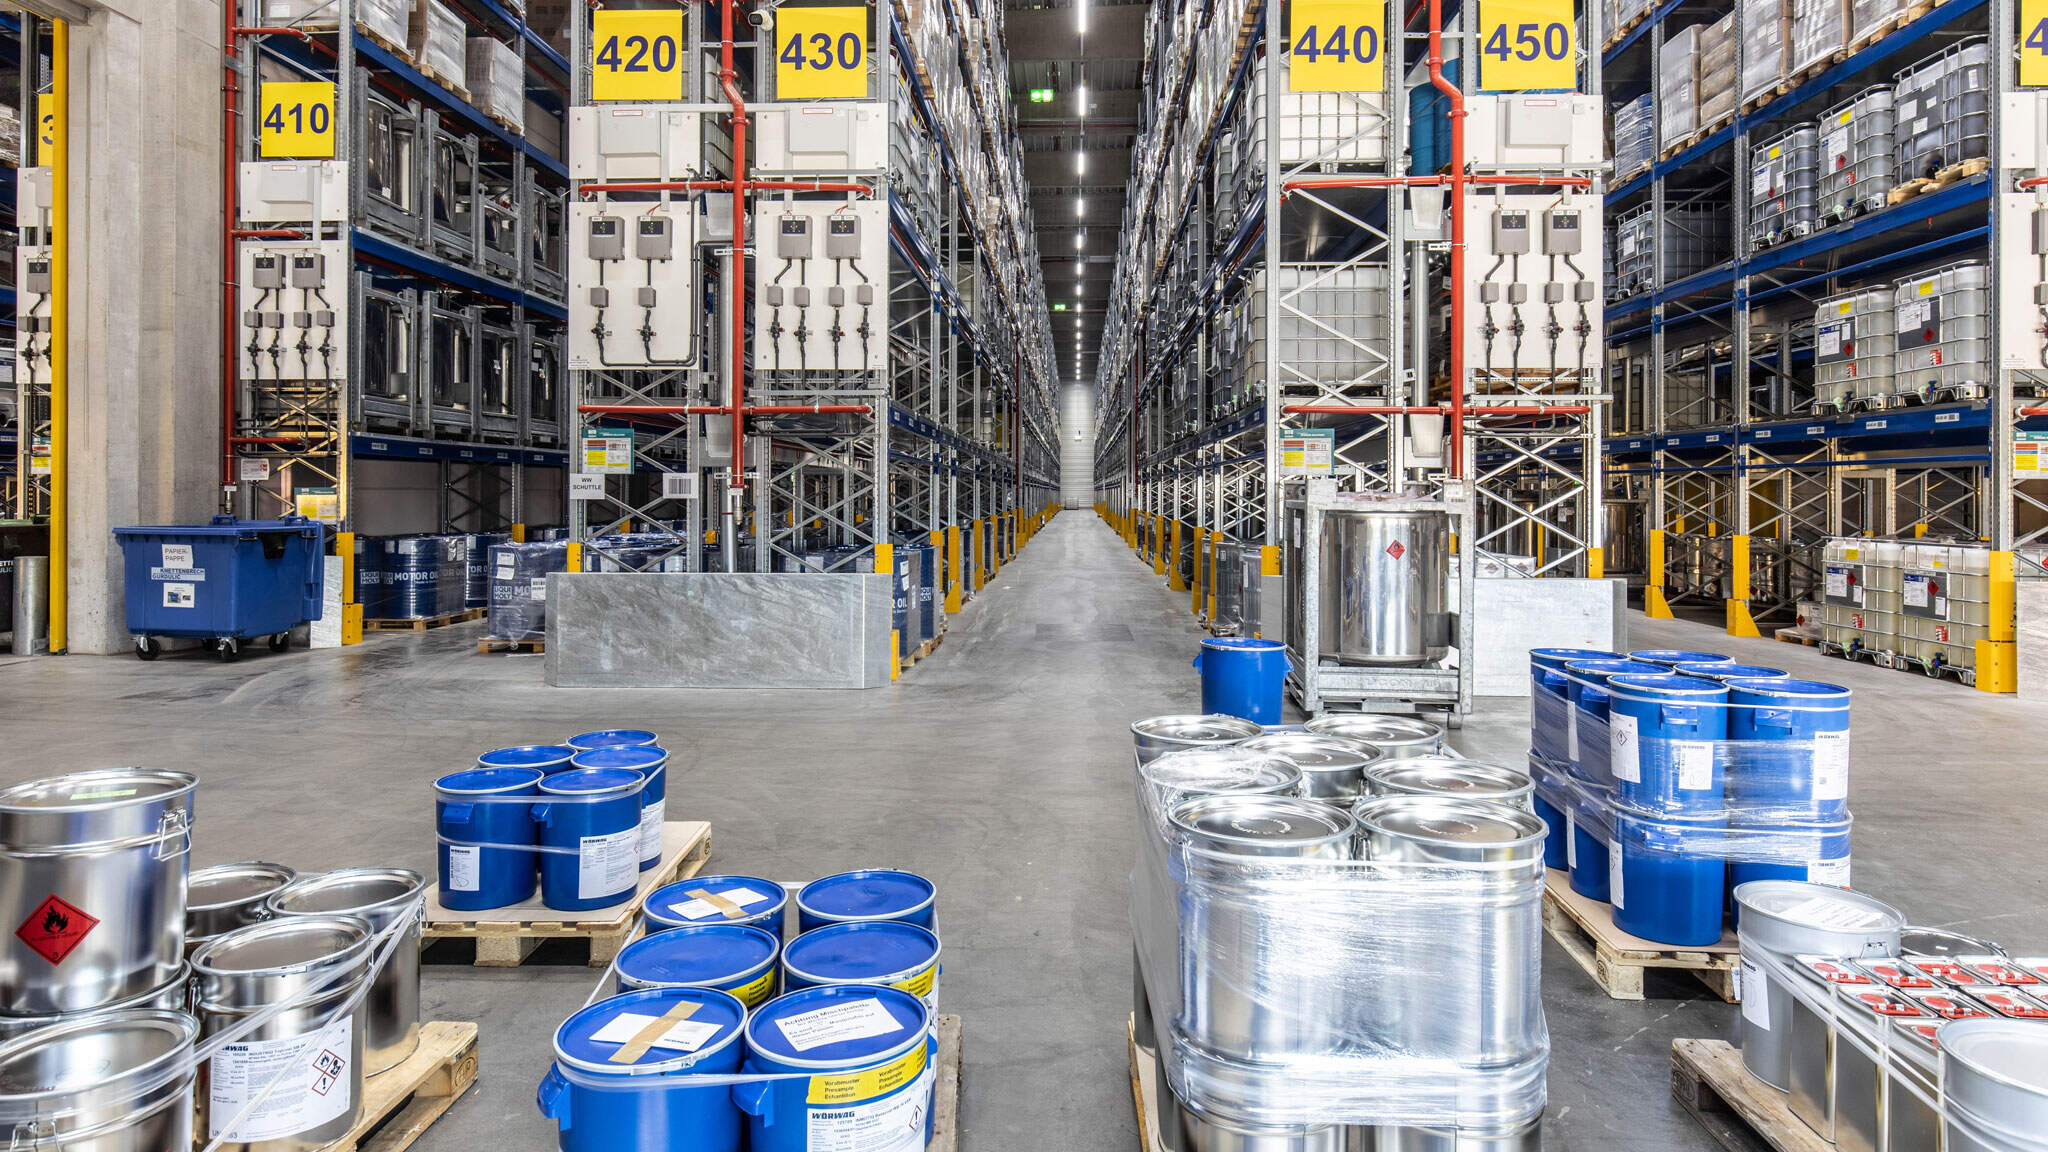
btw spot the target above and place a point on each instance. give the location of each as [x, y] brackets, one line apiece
[611, 738]
[768, 1031]
[481, 781]
[1559, 657]
[546, 757]
[698, 954]
[1787, 687]
[861, 950]
[1670, 656]
[641, 757]
[1668, 684]
[868, 894]
[1600, 669]
[592, 780]
[576, 1042]
[663, 903]
[1729, 671]
[1242, 643]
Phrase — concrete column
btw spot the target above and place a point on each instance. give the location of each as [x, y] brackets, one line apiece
[145, 288]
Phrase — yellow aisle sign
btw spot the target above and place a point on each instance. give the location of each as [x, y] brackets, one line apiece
[636, 55]
[821, 53]
[1337, 46]
[2033, 32]
[46, 130]
[1526, 45]
[297, 120]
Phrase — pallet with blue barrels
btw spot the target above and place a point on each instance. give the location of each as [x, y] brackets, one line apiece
[1617, 960]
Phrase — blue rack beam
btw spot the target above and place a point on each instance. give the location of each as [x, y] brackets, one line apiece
[1641, 29]
[375, 53]
[420, 263]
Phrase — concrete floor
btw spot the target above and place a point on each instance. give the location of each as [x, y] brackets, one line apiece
[1000, 768]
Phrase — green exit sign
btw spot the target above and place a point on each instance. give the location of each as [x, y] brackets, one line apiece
[1041, 95]
[1058, 307]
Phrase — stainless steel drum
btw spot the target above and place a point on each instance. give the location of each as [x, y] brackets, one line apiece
[1332, 767]
[229, 896]
[384, 897]
[1179, 776]
[1163, 734]
[1382, 586]
[173, 996]
[1520, 1138]
[1209, 1132]
[102, 1082]
[1264, 826]
[1427, 829]
[1994, 1076]
[92, 871]
[1787, 918]
[1917, 941]
[1450, 776]
[1397, 737]
[318, 963]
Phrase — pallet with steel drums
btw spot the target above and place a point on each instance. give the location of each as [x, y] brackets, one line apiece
[508, 937]
[400, 1103]
[1616, 960]
[1740, 1112]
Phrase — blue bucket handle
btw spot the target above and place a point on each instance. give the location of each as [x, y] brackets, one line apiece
[553, 1098]
[1679, 713]
[541, 813]
[1772, 717]
[753, 1098]
[457, 813]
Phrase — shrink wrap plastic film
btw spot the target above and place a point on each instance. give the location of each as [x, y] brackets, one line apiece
[519, 587]
[1296, 991]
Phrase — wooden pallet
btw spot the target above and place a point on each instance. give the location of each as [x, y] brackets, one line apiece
[507, 937]
[946, 1087]
[490, 644]
[1144, 1090]
[1797, 636]
[399, 1104]
[930, 646]
[421, 624]
[1741, 1112]
[1616, 960]
[1952, 174]
[1889, 25]
[318, 24]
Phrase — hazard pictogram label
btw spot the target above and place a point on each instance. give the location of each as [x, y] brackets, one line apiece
[55, 928]
[1396, 550]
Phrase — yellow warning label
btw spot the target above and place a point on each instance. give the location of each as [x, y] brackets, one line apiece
[919, 985]
[756, 994]
[868, 1084]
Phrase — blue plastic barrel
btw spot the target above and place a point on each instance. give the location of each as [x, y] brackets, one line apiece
[1807, 783]
[1668, 785]
[598, 821]
[611, 738]
[601, 1106]
[868, 894]
[1556, 846]
[899, 1062]
[1590, 856]
[1550, 697]
[735, 958]
[882, 952]
[731, 900]
[549, 758]
[1669, 657]
[472, 806]
[1725, 671]
[1587, 851]
[1243, 677]
[652, 764]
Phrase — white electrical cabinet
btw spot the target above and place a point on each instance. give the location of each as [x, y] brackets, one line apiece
[1532, 275]
[838, 138]
[635, 142]
[821, 286]
[1551, 130]
[294, 310]
[633, 297]
[32, 277]
[292, 192]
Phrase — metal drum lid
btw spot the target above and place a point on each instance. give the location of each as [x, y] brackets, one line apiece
[1217, 770]
[1996, 1071]
[82, 808]
[1211, 729]
[1448, 776]
[67, 1071]
[591, 1040]
[228, 896]
[378, 895]
[1917, 941]
[1265, 825]
[1387, 733]
[698, 954]
[1446, 829]
[1332, 767]
[1791, 917]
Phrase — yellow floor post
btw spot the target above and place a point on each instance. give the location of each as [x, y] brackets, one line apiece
[1596, 563]
[974, 571]
[885, 563]
[1214, 539]
[1174, 579]
[1195, 585]
[575, 557]
[954, 572]
[1654, 605]
[1166, 535]
[1740, 622]
[1998, 653]
[351, 611]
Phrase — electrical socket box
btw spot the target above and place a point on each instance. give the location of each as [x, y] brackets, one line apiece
[847, 242]
[634, 289]
[292, 192]
[2023, 131]
[2022, 285]
[1557, 130]
[31, 277]
[1535, 265]
[821, 139]
[635, 142]
[294, 305]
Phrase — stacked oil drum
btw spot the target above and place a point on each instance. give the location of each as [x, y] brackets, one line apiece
[147, 1005]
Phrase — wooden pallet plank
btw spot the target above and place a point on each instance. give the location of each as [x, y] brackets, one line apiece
[401, 1103]
[1741, 1112]
[946, 1087]
[422, 623]
[1144, 1090]
[491, 644]
[1616, 960]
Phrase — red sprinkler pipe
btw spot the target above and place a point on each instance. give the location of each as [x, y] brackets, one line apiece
[1457, 208]
[726, 186]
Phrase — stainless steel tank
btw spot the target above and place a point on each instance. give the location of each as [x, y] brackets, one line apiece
[225, 897]
[1451, 776]
[1332, 767]
[1994, 1074]
[1624, 545]
[1161, 734]
[174, 995]
[100, 1082]
[1397, 737]
[384, 897]
[1212, 1132]
[1382, 578]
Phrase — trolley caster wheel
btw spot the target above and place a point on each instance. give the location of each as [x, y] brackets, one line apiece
[280, 642]
[147, 649]
[228, 650]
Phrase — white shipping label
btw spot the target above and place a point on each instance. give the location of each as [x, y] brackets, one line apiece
[607, 865]
[1918, 594]
[313, 1084]
[1614, 889]
[650, 828]
[1828, 340]
[1838, 583]
[854, 1020]
[181, 595]
[1830, 913]
[1571, 841]
[537, 588]
[1831, 765]
[1571, 732]
[1831, 872]
[703, 909]
[891, 1124]
[177, 555]
[1760, 180]
[1756, 996]
[682, 1036]
[1834, 151]
[1913, 315]
[464, 875]
[506, 568]
[1694, 760]
[1624, 748]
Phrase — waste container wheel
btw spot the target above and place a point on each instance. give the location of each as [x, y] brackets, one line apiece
[228, 649]
[280, 642]
[146, 648]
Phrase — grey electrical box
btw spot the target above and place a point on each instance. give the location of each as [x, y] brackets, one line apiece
[793, 238]
[37, 281]
[266, 272]
[842, 238]
[654, 239]
[607, 241]
[1510, 232]
[1561, 232]
[309, 270]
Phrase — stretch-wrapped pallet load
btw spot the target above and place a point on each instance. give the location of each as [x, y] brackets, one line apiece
[1820, 32]
[1678, 108]
[1635, 135]
[1717, 72]
[438, 39]
[519, 587]
[1869, 19]
[1943, 111]
[496, 80]
[1766, 47]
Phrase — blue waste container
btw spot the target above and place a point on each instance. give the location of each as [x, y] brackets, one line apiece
[1669, 790]
[227, 582]
[1791, 771]
[1243, 677]
[1550, 695]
